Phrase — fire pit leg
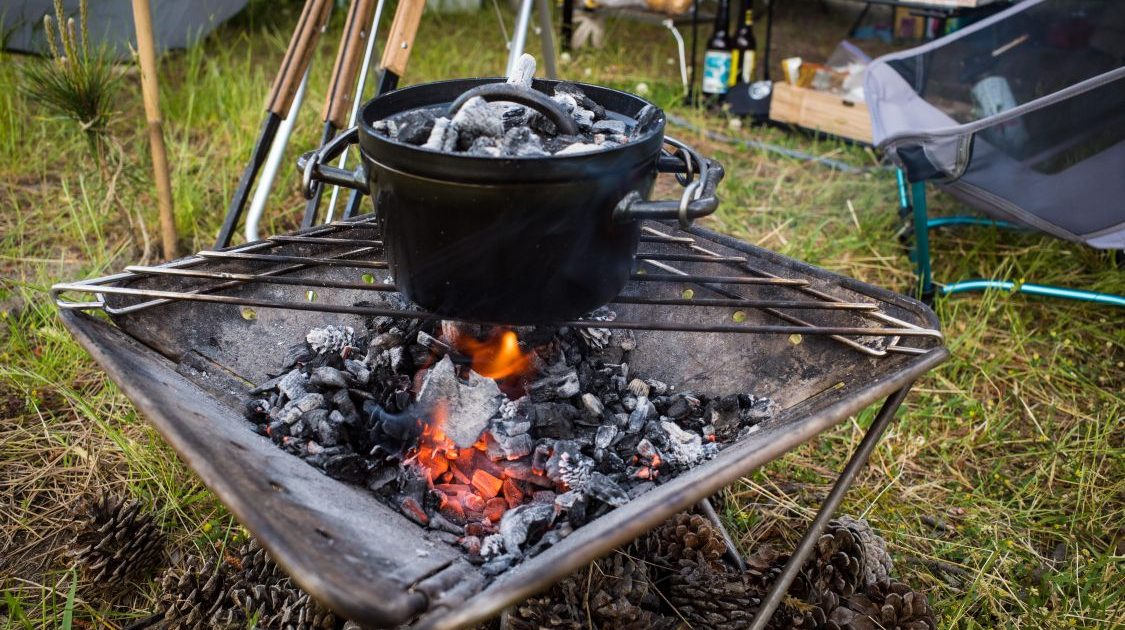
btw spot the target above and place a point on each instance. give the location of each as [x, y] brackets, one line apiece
[828, 508]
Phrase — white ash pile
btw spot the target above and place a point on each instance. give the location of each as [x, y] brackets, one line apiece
[505, 129]
[502, 465]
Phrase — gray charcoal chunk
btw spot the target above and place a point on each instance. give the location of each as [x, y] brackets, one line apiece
[299, 429]
[414, 126]
[609, 126]
[293, 385]
[441, 135]
[523, 522]
[328, 433]
[606, 490]
[329, 377]
[475, 119]
[515, 447]
[592, 405]
[470, 405]
[605, 436]
[643, 411]
[358, 370]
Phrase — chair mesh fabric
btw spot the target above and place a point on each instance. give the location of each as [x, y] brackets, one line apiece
[1021, 115]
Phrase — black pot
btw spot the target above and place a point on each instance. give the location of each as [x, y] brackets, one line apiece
[514, 240]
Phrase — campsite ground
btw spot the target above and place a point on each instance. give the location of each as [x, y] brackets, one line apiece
[1000, 490]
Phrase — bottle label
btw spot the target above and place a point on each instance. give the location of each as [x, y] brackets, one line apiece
[748, 61]
[716, 71]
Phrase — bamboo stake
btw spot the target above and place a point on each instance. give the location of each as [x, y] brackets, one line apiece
[146, 49]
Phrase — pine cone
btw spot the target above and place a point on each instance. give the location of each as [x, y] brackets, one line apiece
[115, 542]
[623, 595]
[689, 537]
[194, 597]
[709, 598]
[886, 605]
[839, 563]
[877, 565]
[262, 591]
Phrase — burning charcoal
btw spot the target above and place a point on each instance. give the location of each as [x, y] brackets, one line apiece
[440, 523]
[328, 377]
[592, 405]
[358, 370]
[257, 410]
[330, 338]
[609, 126]
[413, 510]
[475, 119]
[471, 545]
[494, 509]
[605, 436]
[469, 405]
[277, 430]
[414, 126]
[485, 484]
[442, 135]
[684, 447]
[512, 493]
[293, 385]
[523, 71]
[523, 524]
[605, 490]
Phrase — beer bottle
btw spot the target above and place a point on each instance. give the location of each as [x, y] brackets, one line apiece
[717, 68]
[743, 48]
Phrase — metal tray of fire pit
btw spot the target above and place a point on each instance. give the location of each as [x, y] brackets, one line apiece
[186, 341]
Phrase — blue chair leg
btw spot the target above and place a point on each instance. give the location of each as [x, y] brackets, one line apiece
[921, 250]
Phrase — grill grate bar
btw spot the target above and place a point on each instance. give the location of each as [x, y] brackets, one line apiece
[279, 267]
[424, 315]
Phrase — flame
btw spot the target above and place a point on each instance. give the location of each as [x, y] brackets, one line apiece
[498, 357]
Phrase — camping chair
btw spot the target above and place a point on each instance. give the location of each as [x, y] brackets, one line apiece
[1021, 116]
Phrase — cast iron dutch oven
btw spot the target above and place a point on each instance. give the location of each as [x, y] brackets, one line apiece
[514, 240]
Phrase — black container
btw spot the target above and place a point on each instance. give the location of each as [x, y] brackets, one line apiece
[513, 240]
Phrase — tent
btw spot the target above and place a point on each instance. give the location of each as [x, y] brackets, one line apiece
[177, 23]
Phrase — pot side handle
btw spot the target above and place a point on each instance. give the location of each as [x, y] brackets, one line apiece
[315, 170]
[698, 175]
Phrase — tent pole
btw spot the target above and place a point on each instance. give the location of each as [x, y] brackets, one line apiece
[146, 51]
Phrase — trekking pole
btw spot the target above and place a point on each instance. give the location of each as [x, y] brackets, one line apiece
[146, 51]
[293, 66]
[396, 54]
[340, 106]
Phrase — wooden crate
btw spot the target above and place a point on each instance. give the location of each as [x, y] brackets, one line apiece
[820, 111]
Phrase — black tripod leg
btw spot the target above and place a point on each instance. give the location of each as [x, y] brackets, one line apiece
[238, 202]
[828, 508]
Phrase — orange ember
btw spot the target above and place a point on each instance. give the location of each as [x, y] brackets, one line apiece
[498, 357]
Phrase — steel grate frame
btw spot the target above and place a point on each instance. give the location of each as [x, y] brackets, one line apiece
[668, 258]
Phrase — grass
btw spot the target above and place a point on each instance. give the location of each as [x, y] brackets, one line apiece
[1001, 488]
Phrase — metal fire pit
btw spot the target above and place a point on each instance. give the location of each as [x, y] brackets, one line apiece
[187, 340]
